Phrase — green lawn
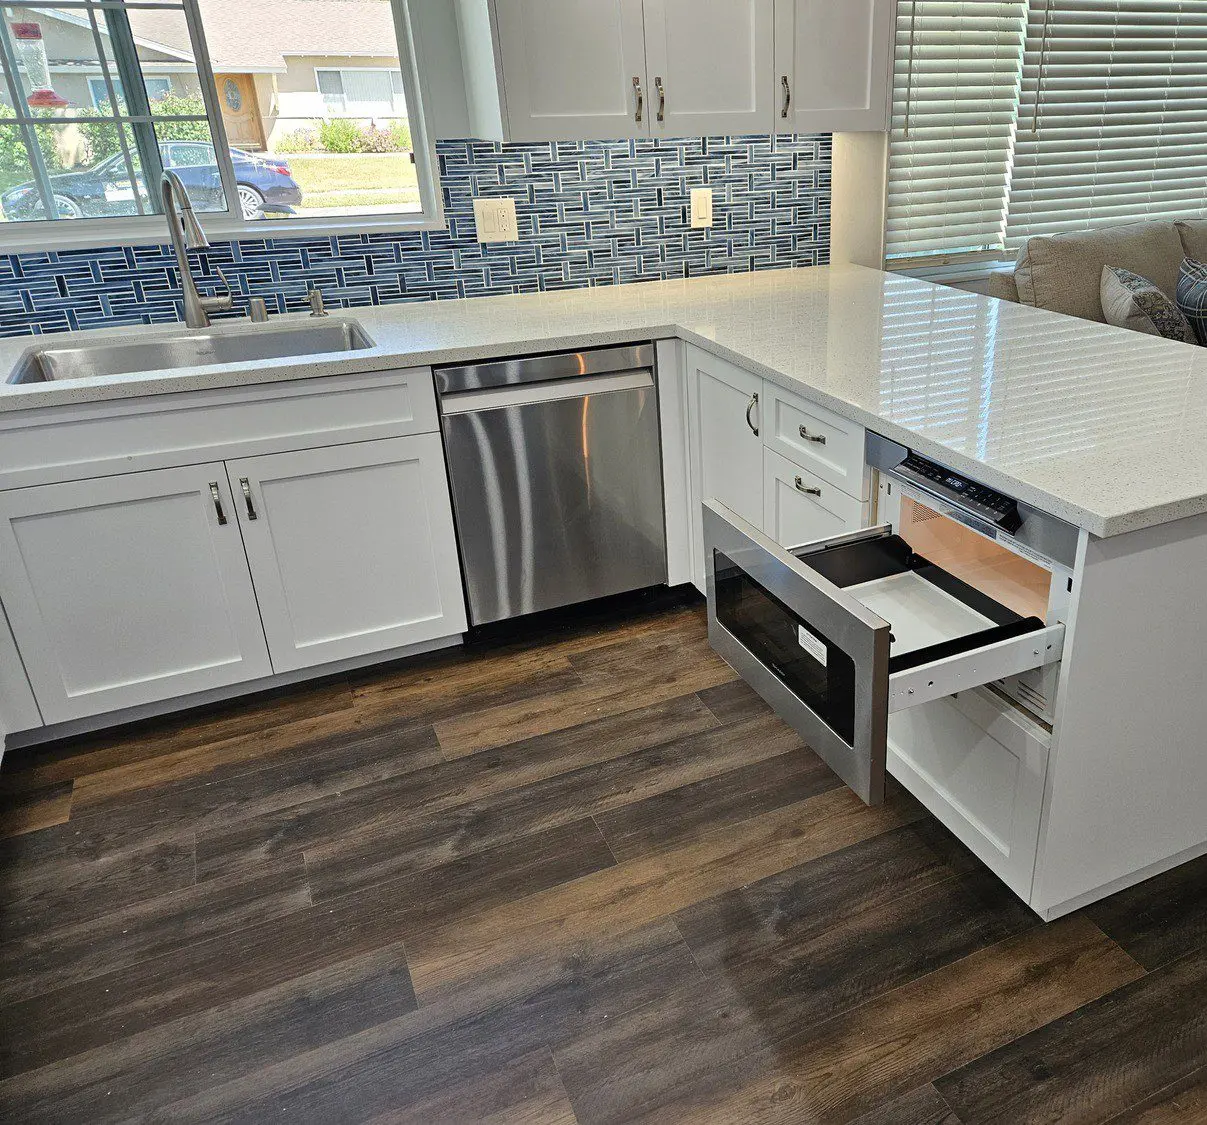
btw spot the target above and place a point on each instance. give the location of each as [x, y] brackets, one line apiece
[355, 180]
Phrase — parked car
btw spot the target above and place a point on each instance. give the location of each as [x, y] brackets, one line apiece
[266, 185]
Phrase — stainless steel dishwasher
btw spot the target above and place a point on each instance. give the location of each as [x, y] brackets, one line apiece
[556, 474]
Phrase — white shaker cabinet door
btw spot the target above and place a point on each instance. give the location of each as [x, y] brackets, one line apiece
[573, 69]
[726, 449]
[128, 589]
[352, 548]
[708, 62]
[833, 59]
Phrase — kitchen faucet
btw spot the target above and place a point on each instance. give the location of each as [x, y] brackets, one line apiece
[186, 235]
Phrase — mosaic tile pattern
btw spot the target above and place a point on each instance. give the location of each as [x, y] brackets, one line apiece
[590, 213]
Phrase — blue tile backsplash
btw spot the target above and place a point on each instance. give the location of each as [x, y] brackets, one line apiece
[590, 213]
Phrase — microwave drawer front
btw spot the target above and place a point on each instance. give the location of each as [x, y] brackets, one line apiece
[813, 652]
[839, 633]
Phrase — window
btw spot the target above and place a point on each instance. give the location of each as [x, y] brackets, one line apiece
[1021, 117]
[157, 88]
[362, 92]
[295, 114]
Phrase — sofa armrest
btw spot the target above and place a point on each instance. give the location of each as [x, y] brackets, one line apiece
[1001, 285]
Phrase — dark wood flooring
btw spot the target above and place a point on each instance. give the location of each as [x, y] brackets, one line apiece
[586, 877]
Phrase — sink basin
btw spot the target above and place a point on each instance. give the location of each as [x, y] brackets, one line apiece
[190, 349]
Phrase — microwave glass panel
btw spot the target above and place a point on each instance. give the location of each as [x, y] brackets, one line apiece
[819, 673]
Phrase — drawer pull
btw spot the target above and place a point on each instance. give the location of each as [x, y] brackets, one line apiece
[251, 508]
[819, 438]
[806, 489]
[754, 401]
[640, 99]
[216, 496]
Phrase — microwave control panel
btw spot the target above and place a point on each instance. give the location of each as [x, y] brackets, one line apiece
[991, 506]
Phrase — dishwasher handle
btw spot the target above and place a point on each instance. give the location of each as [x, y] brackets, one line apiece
[532, 394]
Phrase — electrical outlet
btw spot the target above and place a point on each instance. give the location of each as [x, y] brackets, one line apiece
[702, 207]
[495, 219]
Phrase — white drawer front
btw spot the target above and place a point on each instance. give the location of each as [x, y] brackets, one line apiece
[98, 439]
[817, 439]
[800, 508]
[987, 790]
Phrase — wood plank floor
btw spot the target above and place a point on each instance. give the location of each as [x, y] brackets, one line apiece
[584, 876]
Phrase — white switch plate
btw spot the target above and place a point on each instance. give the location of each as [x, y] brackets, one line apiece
[495, 219]
[701, 207]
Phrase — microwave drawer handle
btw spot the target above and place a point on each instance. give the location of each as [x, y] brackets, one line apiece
[820, 439]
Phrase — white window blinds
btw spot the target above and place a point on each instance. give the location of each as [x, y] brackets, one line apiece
[1112, 116]
[1014, 119]
[955, 97]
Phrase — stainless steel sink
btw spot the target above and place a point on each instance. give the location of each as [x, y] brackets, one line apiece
[190, 349]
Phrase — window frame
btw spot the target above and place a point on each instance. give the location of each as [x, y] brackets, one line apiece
[149, 230]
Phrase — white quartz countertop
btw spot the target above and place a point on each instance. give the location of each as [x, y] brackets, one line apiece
[1100, 426]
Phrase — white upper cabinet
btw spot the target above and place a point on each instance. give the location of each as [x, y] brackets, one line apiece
[573, 69]
[352, 548]
[707, 64]
[129, 589]
[832, 60]
[539, 70]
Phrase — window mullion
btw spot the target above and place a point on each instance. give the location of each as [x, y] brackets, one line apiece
[115, 107]
[213, 110]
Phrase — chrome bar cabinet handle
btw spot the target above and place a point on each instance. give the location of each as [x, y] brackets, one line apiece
[754, 401]
[806, 489]
[819, 438]
[216, 496]
[251, 508]
[640, 99]
[787, 96]
[661, 99]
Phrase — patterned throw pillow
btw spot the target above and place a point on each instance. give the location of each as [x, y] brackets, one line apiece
[1131, 301]
[1192, 296]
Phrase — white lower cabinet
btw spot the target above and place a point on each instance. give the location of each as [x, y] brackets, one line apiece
[128, 589]
[980, 767]
[800, 508]
[351, 547]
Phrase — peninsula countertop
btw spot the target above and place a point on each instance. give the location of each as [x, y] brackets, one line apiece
[1100, 426]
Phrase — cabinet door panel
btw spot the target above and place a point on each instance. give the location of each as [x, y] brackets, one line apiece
[351, 548]
[568, 68]
[713, 58]
[127, 590]
[836, 58]
[800, 508]
[727, 452]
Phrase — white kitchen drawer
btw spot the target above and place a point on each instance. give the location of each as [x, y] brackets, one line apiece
[980, 768]
[75, 442]
[799, 507]
[817, 439]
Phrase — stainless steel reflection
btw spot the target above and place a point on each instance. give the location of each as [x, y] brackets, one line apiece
[196, 349]
[557, 486]
[543, 368]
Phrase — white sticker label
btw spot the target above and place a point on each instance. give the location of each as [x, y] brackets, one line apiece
[812, 645]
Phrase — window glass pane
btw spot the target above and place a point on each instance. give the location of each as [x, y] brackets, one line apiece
[102, 98]
[90, 175]
[187, 148]
[326, 110]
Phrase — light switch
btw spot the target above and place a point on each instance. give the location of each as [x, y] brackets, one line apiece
[702, 207]
[495, 219]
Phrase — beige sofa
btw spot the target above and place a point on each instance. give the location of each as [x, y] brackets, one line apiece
[1063, 272]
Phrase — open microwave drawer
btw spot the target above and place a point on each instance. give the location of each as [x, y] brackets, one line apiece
[837, 634]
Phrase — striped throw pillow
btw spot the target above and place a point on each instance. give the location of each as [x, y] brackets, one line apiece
[1192, 296]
